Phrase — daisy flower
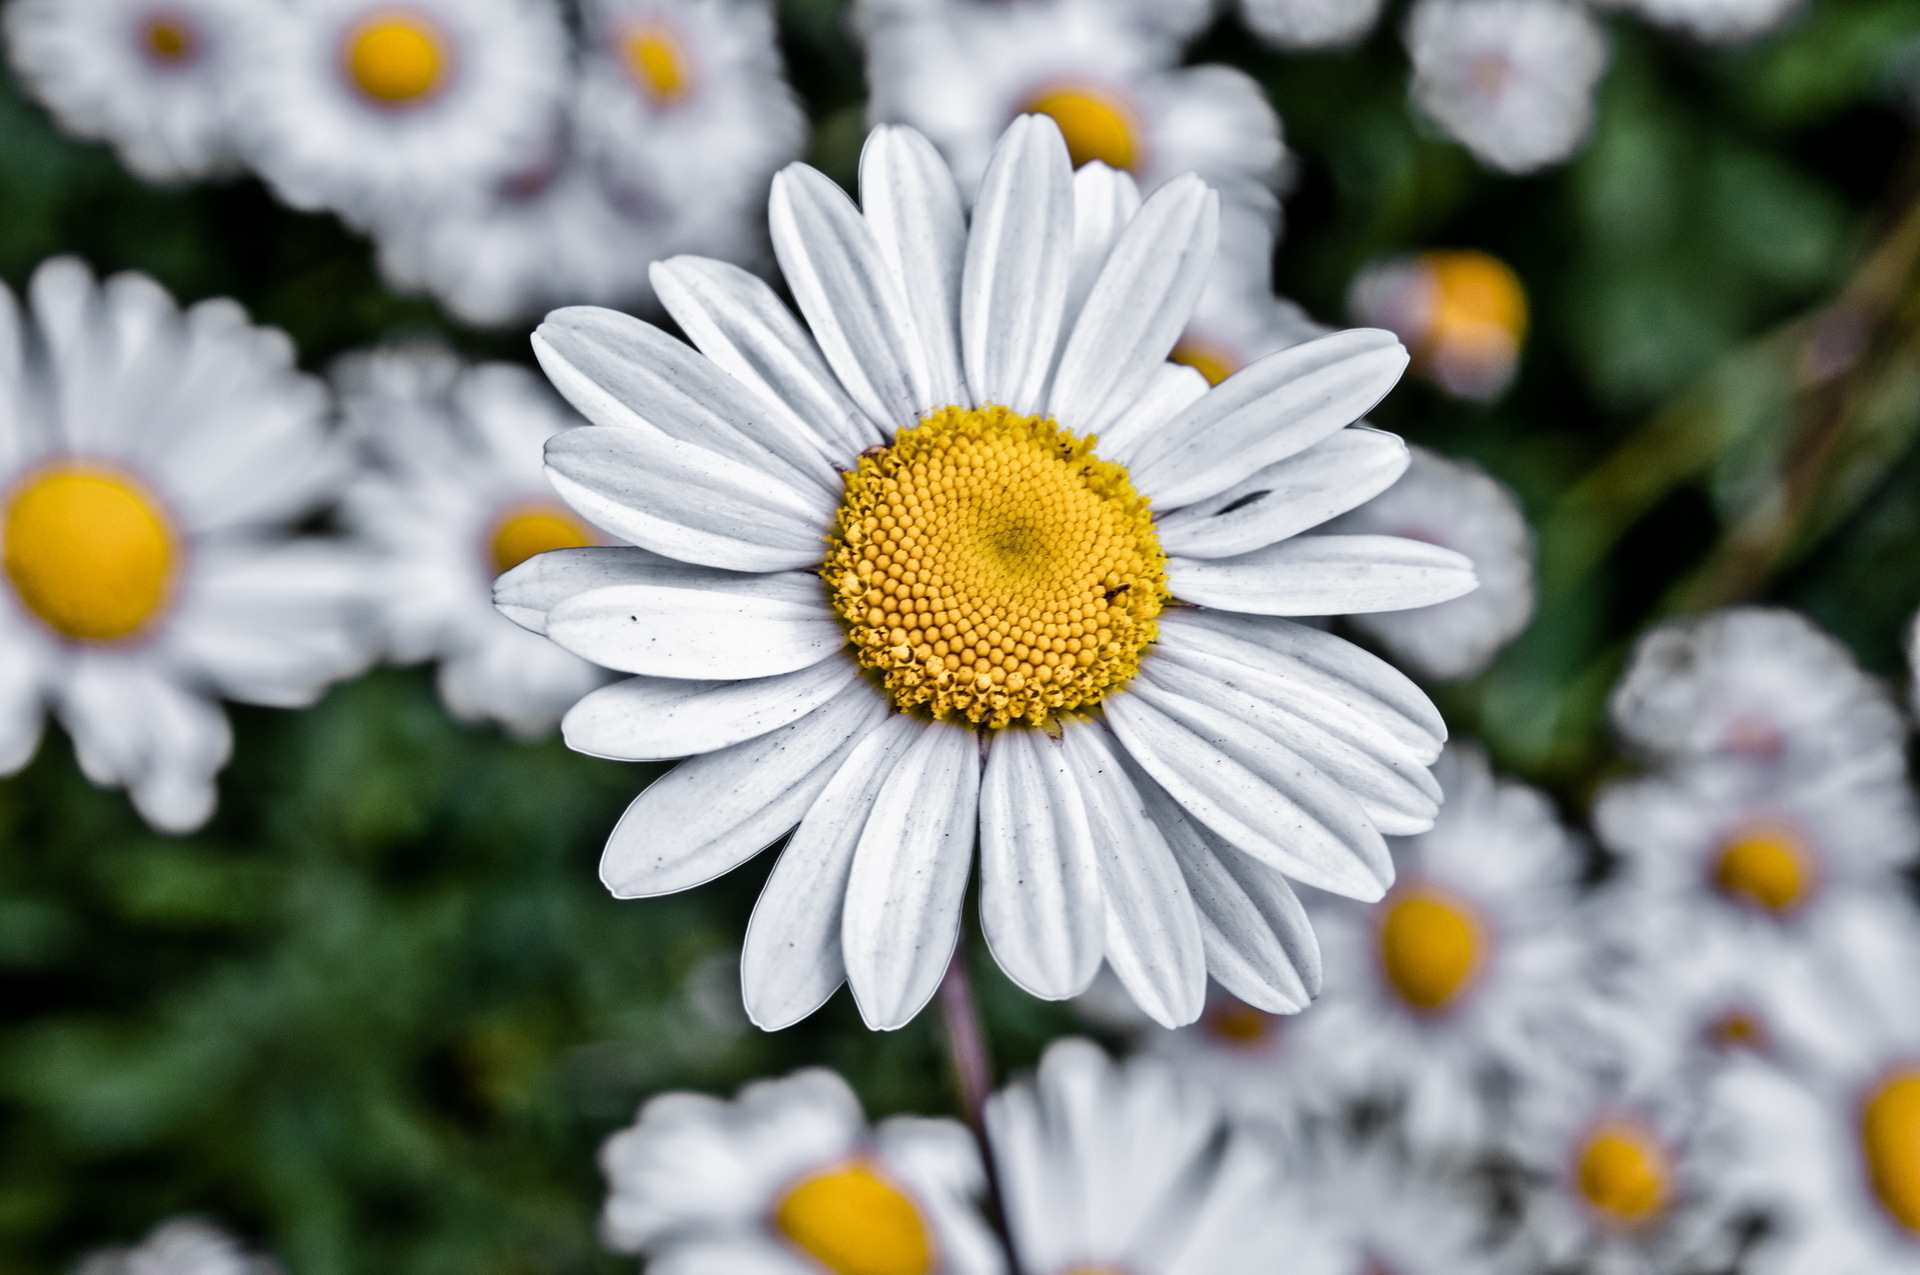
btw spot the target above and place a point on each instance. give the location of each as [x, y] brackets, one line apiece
[1470, 974]
[1463, 313]
[1310, 24]
[1126, 1167]
[365, 106]
[909, 577]
[1366, 1209]
[789, 1179]
[148, 76]
[149, 462]
[1512, 80]
[184, 1246]
[1715, 21]
[1761, 687]
[1455, 504]
[453, 495]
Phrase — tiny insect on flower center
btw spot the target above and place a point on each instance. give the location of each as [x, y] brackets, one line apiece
[168, 39]
[657, 62]
[1624, 1172]
[398, 59]
[1431, 945]
[1765, 866]
[1097, 123]
[89, 551]
[854, 1222]
[526, 530]
[1890, 1143]
[1209, 361]
[990, 568]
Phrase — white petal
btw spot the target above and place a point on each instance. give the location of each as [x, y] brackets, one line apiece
[620, 371]
[659, 719]
[909, 875]
[1287, 497]
[712, 813]
[707, 625]
[528, 592]
[1267, 411]
[1040, 901]
[913, 207]
[684, 501]
[1325, 575]
[792, 963]
[742, 325]
[1259, 796]
[848, 295]
[1153, 936]
[1104, 201]
[1013, 290]
[1259, 943]
[1142, 300]
[1173, 388]
[1315, 674]
[1396, 792]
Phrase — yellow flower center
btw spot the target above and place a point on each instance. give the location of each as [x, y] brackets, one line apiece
[1430, 946]
[1209, 361]
[1765, 866]
[990, 568]
[531, 529]
[396, 58]
[168, 39]
[1097, 123]
[657, 63]
[1623, 1172]
[89, 551]
[854, 1222]
[1477, 299]
[1737, 1028]
[1239, 1025]
[1890, 1140]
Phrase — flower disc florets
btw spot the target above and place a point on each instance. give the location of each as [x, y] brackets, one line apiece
[991, 568]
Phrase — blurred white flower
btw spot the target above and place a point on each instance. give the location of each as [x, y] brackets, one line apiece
[888, 591]
[1239, 321]
[453, 495]
[1762, 687]
[149, 460]
[1366, 1208]
[1248, 1059]
[184, 1246]
[1128, 1167]
[1463, 313]
[148, 76]
[1714, 21]
[1471, 976]
[371, 109]
[789, 1179]
[1511, 79]
[1456, 505]
[1310, 24]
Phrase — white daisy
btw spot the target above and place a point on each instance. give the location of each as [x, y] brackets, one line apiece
[1463, 313]
[788, 1179]
[1125, 1167]
[148, 461]
[1455, 504]
[1471, 974]
[366, 106]
[1513, 80]
[1310, 24]
[454, 494]
[149, 76]
[1366, 1209]
[1715, 21]
[875, 556]
[1760, 686]
[184, 1246]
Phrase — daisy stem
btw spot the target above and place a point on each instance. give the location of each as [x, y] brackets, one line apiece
[973, 1075]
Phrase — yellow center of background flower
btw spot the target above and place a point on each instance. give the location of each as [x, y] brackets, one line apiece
[89, 552]
[167, 39]
[397, 59]
[1477, 299]
[1097, 123]
[657, 63]
[1765, 866]
[1737, 1029]
[532, 529]
[854, 1222]
[1623, 1172]
[1239, 1025]
[1890, 1140]
[1430, 946]
[990, 568]
[1209, 361]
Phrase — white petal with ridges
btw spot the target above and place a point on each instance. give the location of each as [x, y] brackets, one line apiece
[659, 719]
[1290, 496]
[1173, 388]
[1325, 575]
[1041, 906]
[913, 207]
[528, 592]
[704, 625]
[1013, 289]
[1104, 201]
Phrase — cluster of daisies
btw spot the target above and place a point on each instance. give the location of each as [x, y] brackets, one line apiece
[506, 155]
